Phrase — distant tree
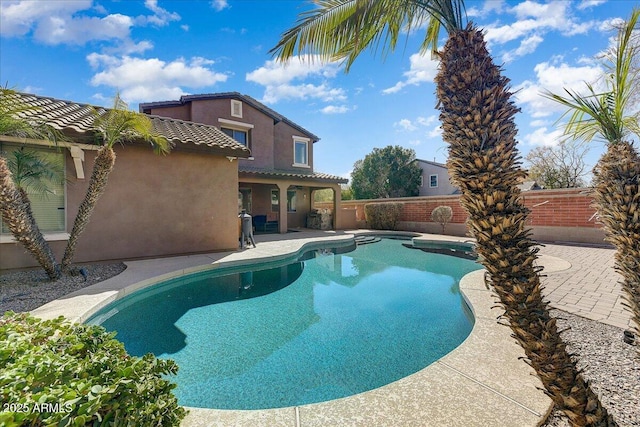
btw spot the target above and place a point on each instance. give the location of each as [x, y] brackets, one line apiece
[562, 166]
[347, 192]
[386, 172]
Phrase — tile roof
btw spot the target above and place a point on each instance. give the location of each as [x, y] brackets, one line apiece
[76, 118]
[278, 174]
[442, 165]
[230, 95]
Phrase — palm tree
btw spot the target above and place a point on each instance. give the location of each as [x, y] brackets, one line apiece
[616, 192]
[477, 116]
[117, 125]
[14, 203]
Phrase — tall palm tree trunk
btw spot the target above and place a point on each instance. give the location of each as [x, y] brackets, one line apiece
[617, 197]
[477, 117]
[105, 159]
[16, 213]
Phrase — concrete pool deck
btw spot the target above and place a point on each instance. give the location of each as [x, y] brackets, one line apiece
[482, 382]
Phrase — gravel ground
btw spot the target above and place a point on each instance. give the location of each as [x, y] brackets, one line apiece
[27, 290]
[611, 366]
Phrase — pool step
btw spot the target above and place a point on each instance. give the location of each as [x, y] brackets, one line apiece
[365, 240]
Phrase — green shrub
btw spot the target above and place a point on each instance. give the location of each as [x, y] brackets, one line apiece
[56, 373]
[383, 216]
[442, 215]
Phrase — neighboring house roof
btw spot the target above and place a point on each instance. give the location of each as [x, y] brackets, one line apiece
[529, 185]
[317, 176]
[147, 106]
[75, 118]
[431, 163]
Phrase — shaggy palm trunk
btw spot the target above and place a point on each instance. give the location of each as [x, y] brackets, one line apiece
[17, 214]
[477, 117]
[617, 197]
[105, 159]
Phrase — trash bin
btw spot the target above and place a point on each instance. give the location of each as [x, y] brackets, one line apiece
[246, 234]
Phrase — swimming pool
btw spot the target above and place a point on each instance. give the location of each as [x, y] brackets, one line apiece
[327, 326]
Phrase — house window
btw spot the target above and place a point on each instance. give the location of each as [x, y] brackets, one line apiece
[244, 200]
[242, 136]
[301, 151]
[275, 201]
[291, 200]
[433, 181]
[47, 195]
[421, 181]
[236, 108]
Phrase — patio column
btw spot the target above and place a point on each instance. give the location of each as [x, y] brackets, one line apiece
[282, 220]
[337, 209]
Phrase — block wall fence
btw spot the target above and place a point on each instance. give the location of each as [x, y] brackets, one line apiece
[563, 215]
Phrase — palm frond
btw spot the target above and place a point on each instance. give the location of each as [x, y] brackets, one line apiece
[119, 125]
[32, 172]
[604, 115]
[339, 30]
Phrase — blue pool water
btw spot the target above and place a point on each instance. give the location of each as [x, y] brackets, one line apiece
[326, 327]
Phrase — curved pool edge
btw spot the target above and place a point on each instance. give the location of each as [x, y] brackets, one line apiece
[82, 304]
[481, 382]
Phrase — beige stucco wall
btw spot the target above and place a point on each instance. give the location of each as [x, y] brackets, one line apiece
[153, 206]
[444, 188]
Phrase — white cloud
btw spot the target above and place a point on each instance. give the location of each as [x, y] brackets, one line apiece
[405, 124]
[219, 5]
[436, 132]
[18, 18]
[78, 31]
[554, 77]
[543, 136]
[280, 80]
[422, 69]
[413, 125]
[77, 22]
[335, 109]
[160, 17]
[489, 6]
[533, 21]
[528, 45]
[152, 79]
[586, 4]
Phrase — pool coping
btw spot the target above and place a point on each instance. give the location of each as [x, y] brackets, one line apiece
[484, 381]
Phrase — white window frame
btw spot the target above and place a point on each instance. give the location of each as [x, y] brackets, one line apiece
[305, 141]
[236, 108]
[239, 126]
[431, 182]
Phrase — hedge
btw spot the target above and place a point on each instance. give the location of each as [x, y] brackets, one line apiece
[383, 216]
[57, 373]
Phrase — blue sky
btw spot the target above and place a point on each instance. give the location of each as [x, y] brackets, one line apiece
[154, 50]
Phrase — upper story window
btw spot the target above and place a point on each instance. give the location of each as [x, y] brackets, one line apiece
[242, 136]
[236, 108]
[433, 181]
[239, 131]
[301, 151]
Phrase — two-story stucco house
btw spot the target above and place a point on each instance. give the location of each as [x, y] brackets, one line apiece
[435, 179]
[277, 182]
[153, 205]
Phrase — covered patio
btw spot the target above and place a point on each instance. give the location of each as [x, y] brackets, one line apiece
[279, 201]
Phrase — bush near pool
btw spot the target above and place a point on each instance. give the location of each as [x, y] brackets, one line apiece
[59, 373]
